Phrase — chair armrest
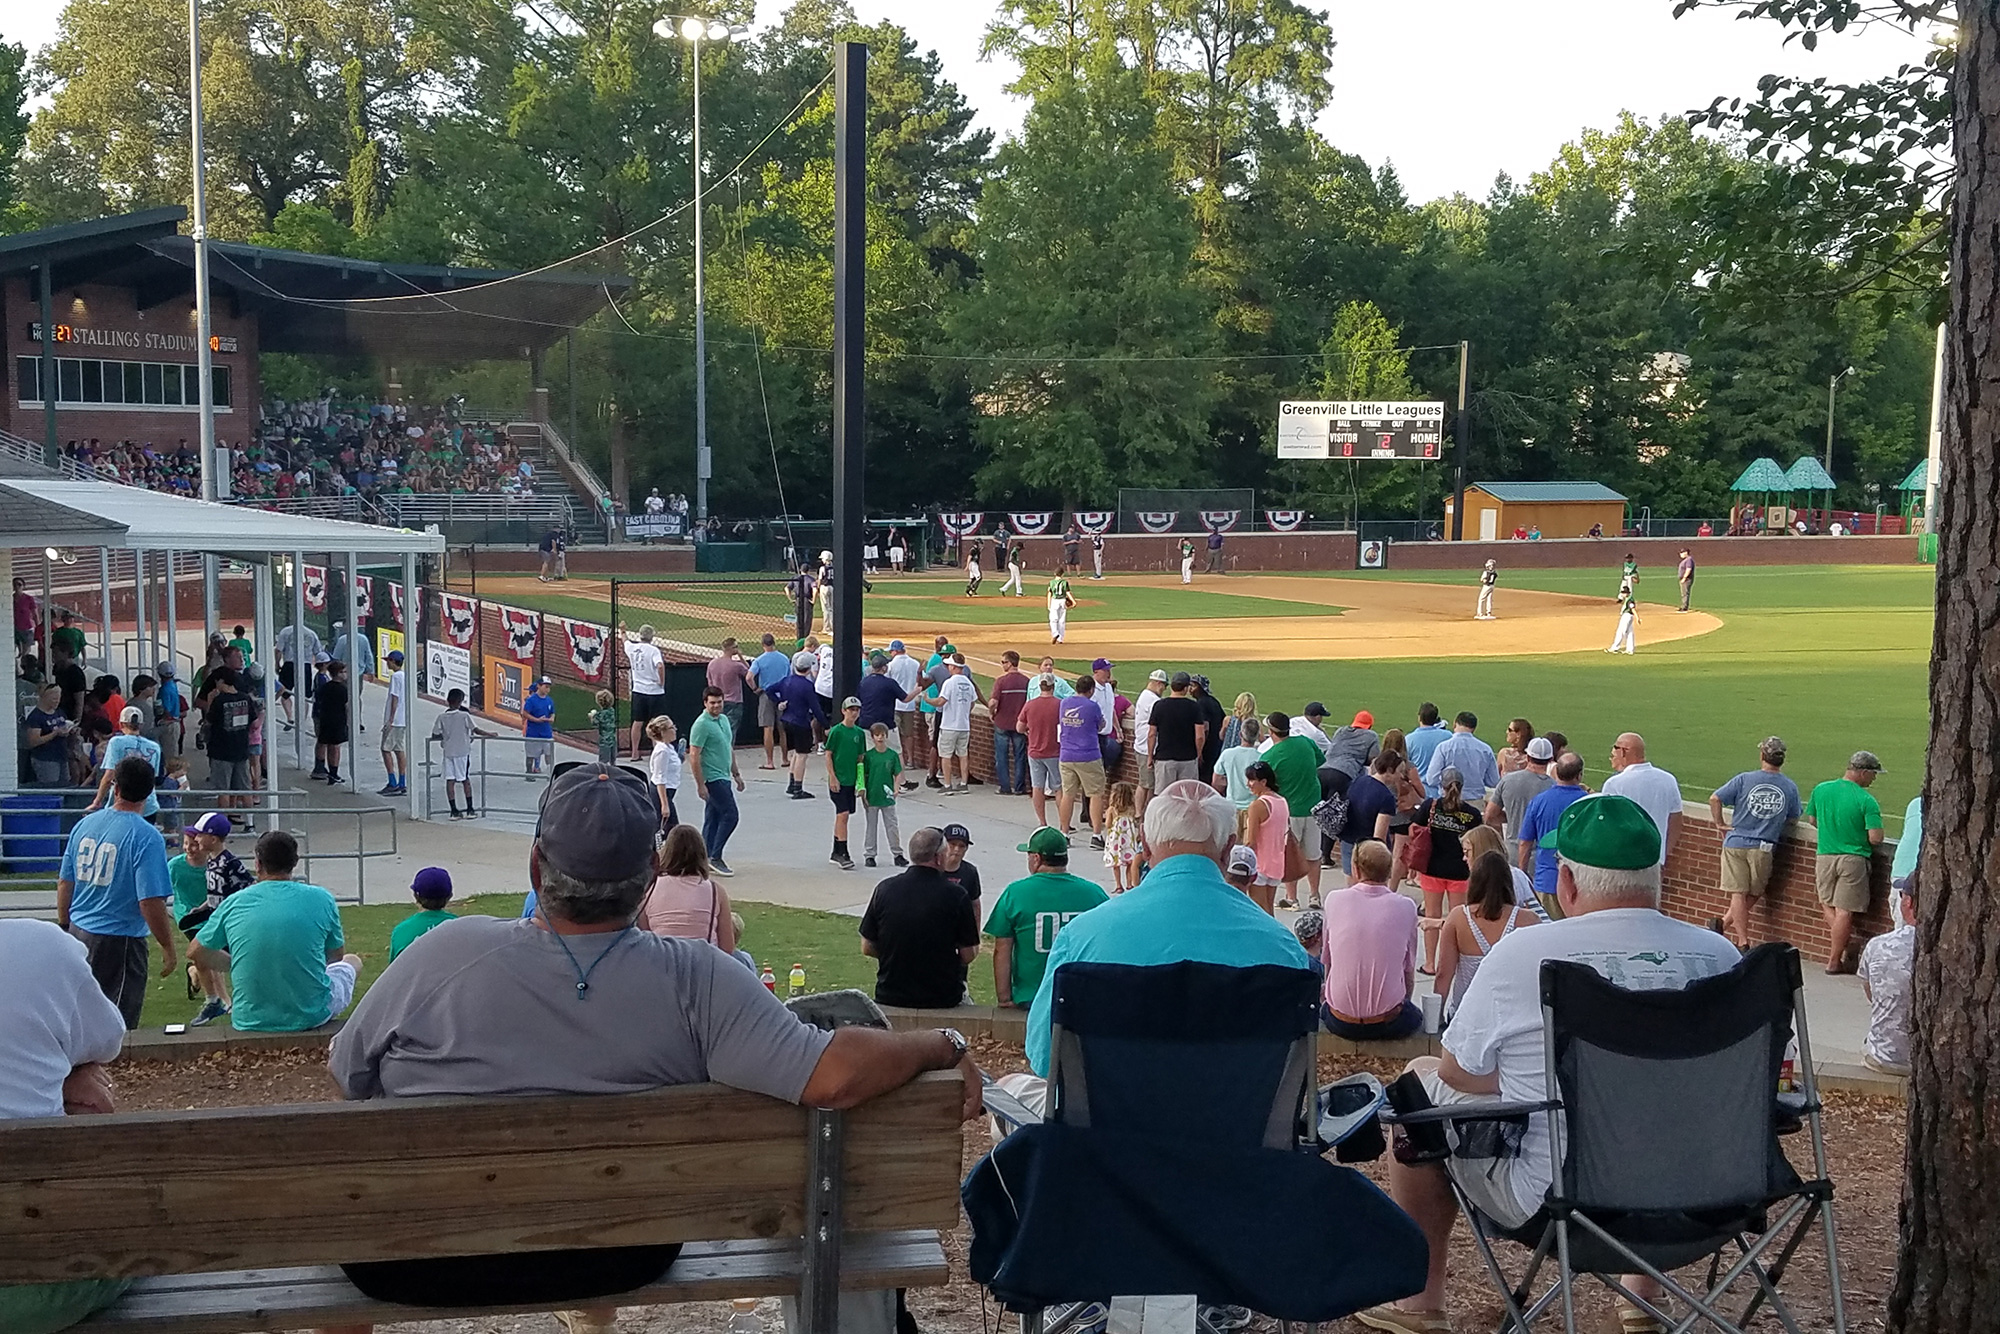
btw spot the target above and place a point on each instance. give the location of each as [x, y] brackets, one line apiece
[1005, 1108]
[1469, 1111]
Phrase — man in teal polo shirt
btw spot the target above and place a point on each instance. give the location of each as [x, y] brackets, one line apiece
[1184, 912]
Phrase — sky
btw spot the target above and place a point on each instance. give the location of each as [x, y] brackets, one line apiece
[1452, 92]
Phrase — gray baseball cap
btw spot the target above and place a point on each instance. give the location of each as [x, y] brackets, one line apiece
[598, 823]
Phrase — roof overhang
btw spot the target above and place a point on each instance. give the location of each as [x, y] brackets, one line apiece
[62, 512]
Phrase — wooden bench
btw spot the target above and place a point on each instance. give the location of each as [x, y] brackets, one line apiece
[234, 1219]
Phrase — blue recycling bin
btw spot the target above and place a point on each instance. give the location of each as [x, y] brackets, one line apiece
[31, 841]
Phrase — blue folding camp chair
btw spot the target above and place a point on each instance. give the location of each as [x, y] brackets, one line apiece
[1179, 1157]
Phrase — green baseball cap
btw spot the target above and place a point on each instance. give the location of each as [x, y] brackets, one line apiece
[1045, 842]
[1609, 831]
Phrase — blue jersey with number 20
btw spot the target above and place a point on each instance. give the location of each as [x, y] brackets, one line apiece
[114, 859]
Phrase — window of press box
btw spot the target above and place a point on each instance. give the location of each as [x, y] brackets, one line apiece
[129, 382]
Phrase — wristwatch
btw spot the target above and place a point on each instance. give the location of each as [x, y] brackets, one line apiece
[959, 1046]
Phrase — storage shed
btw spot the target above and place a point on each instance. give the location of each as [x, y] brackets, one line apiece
[1494, 510]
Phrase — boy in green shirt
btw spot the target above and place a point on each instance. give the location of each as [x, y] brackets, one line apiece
[844, 744]
[880, 768]
[1029, 913]
[605, 718]
[1849, 820]
[432, 890]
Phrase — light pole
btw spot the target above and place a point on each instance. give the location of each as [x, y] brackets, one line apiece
[1832, 383]
[203, 356]
[694, 31]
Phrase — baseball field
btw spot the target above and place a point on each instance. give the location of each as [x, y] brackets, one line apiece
[1832, 658]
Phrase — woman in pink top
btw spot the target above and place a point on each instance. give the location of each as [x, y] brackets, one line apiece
[685, 900]
[1369, 947]
[1266, 824]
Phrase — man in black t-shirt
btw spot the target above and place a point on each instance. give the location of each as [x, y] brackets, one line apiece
[231, 712]
[1213, 716]
[921, 930]
[65, 672]
[1177, 735]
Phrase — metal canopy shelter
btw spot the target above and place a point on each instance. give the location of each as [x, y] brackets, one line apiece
[39, 510]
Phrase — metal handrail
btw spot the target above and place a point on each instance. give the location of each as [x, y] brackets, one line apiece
[292, 807]
[27, 451]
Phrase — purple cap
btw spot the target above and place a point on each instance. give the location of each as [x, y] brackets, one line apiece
[433, 882]
[215, 822]
[1102, 665]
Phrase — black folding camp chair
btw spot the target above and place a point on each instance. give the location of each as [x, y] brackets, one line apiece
[1178, 1157]
[1666, 1122]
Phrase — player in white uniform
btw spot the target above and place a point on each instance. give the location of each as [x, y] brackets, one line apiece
[1628, 619]
[972, 574]
[1060, 602]
[1014, 572]
[1187, 561]
[826, 590]
[1097, 555]
[1487, 578]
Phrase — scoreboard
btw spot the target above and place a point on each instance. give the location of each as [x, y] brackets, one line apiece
[1360, 430]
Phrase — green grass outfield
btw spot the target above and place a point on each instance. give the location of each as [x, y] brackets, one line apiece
[826, 943]
[1832, 658]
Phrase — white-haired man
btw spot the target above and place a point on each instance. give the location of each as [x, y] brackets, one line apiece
[1188, 912]
[1608, 882]
[648, 682]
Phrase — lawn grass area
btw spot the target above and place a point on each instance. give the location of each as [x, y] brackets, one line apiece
[826, 943]
[944, 600]
[1832, 658]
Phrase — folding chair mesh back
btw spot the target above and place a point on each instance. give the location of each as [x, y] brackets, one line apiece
[1668, 1094]
[1123, 1036]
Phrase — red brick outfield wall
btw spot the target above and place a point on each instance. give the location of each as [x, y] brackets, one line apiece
[1246, 553]
[1658, 556]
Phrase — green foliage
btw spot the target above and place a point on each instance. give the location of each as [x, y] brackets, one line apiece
[1086, 249]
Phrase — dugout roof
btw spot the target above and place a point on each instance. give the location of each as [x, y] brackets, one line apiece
[39, 509]
[323, 304]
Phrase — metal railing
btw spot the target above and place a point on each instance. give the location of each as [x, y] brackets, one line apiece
[32, 857]
[352, 506]
[481, 771]
[594, 490]
[27, 451]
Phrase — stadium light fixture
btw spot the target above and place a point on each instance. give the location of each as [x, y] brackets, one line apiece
[695, 31]
[1832, 384]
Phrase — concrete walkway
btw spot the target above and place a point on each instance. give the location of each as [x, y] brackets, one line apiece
[779, 851]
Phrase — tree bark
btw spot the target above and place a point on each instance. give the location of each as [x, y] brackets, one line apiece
[1948, 1265]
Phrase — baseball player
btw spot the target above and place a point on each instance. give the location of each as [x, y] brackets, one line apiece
[1060, 602]
[1628, 618]
[1014, 571]
[1187, 560]
[1630, 574]
[1097, 555]
[972, 575]
[1487, 578]
[826, 590]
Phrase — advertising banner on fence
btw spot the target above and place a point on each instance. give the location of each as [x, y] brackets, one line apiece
[387, 641]
[447, 667]
[506, 687]
[643, 526]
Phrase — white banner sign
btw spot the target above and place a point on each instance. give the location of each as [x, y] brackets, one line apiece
[447, 667]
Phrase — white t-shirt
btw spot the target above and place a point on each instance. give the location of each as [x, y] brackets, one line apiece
[398, 712]
[823, 682]
[53, 1016]
[655, 505]
[648, 667]
[904, 670]
[1305, 727]
[1499, 1022]
[955, 699]
[1142, 709]
[665, 767]
[1657, 792]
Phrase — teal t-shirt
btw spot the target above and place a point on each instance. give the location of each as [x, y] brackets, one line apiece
[711, 732]
[1231, 764]
[415, 925]
[190, 884]
[278, 934]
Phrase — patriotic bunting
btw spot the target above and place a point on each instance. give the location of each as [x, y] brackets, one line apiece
[1095, 521]
[461, 618]
[364, 598]
[961, 525]
[523, 630]
[1031, 524]
[1158, 521]
[1220, 521]
[586, 647]
[1284, 521]
[316, 587]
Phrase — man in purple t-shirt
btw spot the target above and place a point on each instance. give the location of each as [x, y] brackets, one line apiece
[1081, 759]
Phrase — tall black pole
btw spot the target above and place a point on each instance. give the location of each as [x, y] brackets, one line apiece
[850, 243]
[1464, 433]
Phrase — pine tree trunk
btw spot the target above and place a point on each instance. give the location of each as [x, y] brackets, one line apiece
[1948, 1266]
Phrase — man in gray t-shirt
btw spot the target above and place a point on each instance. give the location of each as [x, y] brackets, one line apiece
[1762, 802]
[1508, 801]
[577, 999]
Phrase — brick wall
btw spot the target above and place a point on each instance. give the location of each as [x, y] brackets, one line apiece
[1659, 555]
[1789, 910]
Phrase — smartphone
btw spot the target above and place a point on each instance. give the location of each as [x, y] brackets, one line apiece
[177, 1028]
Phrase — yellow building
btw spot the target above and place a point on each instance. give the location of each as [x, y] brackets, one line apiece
[1494, 510]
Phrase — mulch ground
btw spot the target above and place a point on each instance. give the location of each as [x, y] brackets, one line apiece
[1864, 1145]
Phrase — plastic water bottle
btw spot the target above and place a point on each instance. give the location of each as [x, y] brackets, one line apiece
[769, 979]
[798, 979]
[743, 1316]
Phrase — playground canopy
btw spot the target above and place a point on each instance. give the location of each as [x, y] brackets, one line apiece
[1808, 475]
[1761, 477]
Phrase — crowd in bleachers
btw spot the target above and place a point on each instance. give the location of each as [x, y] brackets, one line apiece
[325, 448]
